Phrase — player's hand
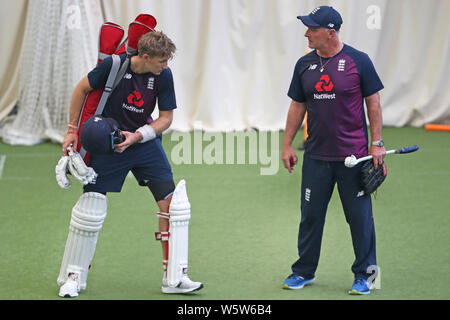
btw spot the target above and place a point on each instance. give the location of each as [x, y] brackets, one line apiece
[130, 138]
[70, 139]
[378, 154]
[289, 158]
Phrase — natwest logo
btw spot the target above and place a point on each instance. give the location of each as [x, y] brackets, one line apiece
[136, 98]
[324, 84]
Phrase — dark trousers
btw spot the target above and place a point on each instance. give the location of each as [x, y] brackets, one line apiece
[318, 181]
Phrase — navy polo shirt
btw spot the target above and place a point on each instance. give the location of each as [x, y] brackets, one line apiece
[334, 101]
[134, 99]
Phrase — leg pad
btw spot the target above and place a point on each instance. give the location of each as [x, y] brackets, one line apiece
[87, 219]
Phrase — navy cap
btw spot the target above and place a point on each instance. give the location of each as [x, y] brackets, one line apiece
[323, 16]
[97, 135]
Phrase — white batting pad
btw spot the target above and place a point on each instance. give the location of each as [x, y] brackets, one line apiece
[180, 214]
[87, 219]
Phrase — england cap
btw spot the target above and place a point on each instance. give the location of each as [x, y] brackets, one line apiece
[323, 16]
[97, 135]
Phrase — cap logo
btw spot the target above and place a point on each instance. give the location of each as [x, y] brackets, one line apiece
[331, 25]
[97, 119]
[315, 10]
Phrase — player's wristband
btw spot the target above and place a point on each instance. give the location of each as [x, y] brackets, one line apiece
[148, 133]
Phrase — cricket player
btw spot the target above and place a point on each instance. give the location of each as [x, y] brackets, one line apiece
[147, 81]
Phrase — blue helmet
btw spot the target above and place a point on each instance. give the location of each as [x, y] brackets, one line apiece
[99, 134]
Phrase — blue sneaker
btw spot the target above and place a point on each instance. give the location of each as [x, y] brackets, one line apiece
[296, 282]
[359, 287]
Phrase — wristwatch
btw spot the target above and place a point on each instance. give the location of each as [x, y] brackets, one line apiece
[379, 143]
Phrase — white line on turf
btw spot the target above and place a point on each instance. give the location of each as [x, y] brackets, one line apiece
[2, 164]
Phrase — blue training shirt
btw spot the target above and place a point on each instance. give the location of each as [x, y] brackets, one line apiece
[134, 99]
[334, 102]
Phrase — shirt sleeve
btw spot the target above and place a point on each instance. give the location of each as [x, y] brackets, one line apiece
[166, 94]
[370, 81]
[99, 75]
[296, 92]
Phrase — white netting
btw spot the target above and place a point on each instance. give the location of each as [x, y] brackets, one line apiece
[59, 49]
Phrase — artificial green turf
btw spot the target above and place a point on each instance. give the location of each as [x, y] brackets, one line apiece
[243, 230]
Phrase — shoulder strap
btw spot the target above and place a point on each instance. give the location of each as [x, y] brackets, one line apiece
[119, 75]
[109, 83]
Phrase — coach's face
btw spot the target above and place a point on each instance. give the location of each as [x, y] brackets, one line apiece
[317, 37]
[156, 64]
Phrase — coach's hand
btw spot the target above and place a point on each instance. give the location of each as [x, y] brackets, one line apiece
[130, 138]
[378, 154]
[289, 157]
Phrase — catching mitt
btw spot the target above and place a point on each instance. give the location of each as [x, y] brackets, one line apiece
[372, 178]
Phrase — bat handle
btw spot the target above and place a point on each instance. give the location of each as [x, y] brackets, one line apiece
[408, 149]
[370, 156]
[364, 159]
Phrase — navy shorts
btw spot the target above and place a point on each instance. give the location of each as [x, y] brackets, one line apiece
[147, 161]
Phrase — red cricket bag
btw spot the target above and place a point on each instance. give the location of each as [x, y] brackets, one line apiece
[110, 44]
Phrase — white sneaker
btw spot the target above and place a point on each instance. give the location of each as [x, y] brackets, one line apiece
[186, 285]
[71, 287]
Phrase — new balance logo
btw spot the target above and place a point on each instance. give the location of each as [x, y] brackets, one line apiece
[127, 76]
[312, 67]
